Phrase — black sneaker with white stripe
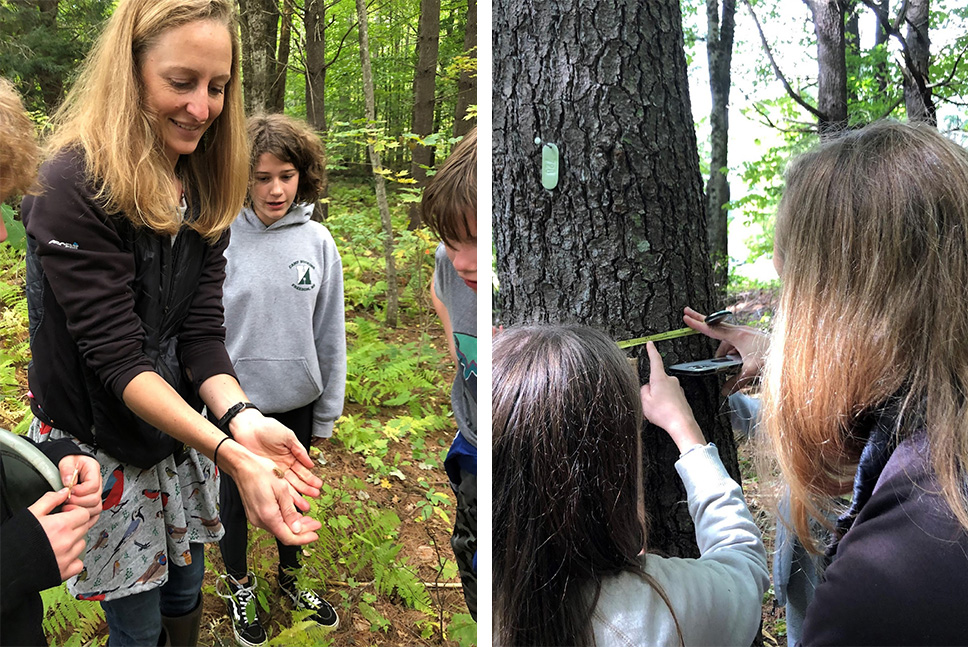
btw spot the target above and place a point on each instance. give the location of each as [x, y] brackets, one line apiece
[242, 606]
[323, 612]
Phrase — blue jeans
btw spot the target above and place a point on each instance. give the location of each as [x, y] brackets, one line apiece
[135, 621]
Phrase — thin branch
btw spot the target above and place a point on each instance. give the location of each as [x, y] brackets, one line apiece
[954, 102]
[342, 42]
[952, 73]
[901, 15]
[895, 32]
[898, 102]
[776, 68]
[769, 122]
[429, 585]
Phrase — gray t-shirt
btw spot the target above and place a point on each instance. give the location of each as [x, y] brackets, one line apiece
[461, 304]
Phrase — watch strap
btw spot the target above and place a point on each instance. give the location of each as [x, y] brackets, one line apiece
[234, 410]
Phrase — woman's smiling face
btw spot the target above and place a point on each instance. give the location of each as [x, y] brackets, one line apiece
[185, 73]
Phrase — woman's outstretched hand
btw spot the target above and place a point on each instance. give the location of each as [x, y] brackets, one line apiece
[276, 478]
[664, 404]
[749, 343]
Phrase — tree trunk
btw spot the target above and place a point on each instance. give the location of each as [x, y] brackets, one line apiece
[51, 84]
[381, 191]
[719, 51]
[828, 23]
[467, 82]
[424, 88]
[882, 11]
[620, 241]
[259, 20]
[315, 24]
[852, 43]
[917, 92]
[277, 90]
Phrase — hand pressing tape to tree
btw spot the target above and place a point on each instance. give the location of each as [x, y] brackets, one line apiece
[712, 320]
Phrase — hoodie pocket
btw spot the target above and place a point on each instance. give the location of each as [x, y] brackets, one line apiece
[277, 385]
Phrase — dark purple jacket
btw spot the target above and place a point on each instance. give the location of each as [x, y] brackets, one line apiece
[900, 574]
[108, 301]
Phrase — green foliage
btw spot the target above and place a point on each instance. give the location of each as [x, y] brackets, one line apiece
[462, 629]
[41, 51]
[70, 622]
[16, 236]
[14, 343]
[355, 225]
[382, 374]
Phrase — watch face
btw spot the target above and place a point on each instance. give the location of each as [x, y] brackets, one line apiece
[28, 473]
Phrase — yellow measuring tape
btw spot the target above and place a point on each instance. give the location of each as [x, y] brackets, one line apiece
[712, 320]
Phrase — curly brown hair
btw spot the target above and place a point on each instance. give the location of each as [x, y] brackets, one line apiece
[293, 141]
[18, 144]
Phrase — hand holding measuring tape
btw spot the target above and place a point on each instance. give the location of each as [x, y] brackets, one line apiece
[749, 343]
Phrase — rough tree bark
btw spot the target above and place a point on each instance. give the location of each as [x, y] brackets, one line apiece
[259, 20]
[51, 85]
[719, 52]
[917, 91]
[424, 89]
[277, 89]
[381, 190]
[882, 10]
[620, 242]
[828, 23]
[467, 82]
[315, 23]
[852, 40]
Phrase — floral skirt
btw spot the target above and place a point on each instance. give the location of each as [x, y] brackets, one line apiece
[148, 519]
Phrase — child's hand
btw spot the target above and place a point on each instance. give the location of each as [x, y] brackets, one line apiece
[664, 404]
[82, 477]
[65, 530]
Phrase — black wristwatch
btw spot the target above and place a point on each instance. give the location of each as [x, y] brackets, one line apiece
[234, 410]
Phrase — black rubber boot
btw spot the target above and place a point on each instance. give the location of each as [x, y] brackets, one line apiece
[183, 630]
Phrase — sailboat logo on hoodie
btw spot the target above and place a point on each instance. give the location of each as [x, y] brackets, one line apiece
[303, 272]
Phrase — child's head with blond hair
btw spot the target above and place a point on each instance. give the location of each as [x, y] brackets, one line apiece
[18, 147]
[18, 144]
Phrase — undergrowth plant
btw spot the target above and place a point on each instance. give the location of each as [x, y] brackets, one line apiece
[70, 622]
[14, 342]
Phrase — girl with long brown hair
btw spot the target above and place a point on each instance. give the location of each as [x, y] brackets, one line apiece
[865, 381]
[570, 540]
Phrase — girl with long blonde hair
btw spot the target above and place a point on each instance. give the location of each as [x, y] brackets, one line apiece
[147, 168]
[865, 380]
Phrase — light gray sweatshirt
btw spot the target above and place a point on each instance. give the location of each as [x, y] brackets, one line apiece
[717, 597]
[284, 322]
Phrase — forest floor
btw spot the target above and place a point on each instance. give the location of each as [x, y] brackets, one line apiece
[426, 542]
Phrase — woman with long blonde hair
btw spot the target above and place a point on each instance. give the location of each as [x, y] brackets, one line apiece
[147, 168]
[865, 381]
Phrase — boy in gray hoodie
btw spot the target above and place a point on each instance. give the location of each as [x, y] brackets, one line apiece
[450, 210]
[285, 333]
